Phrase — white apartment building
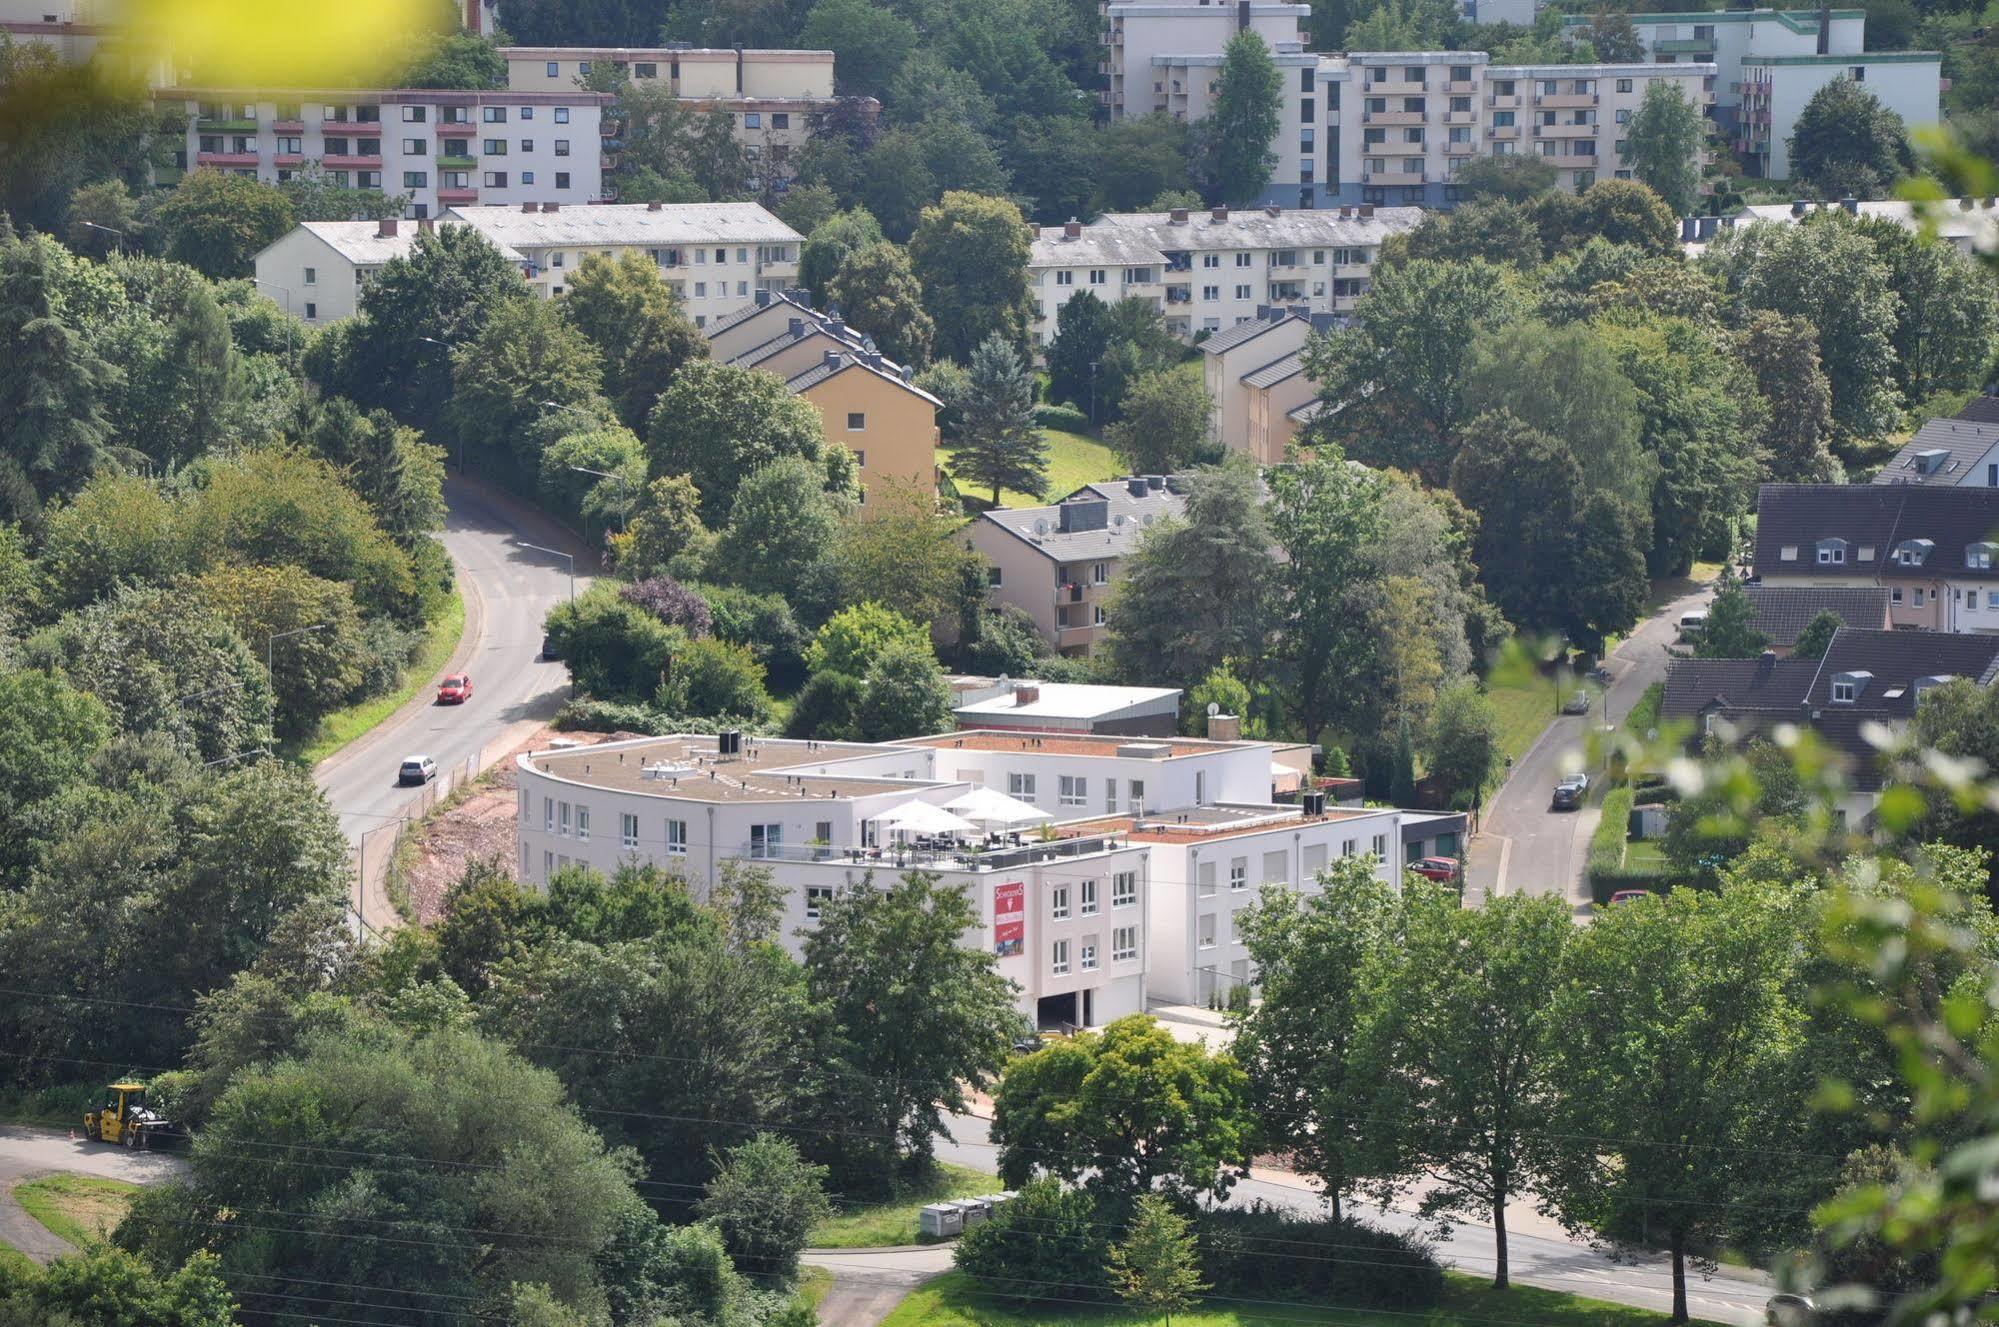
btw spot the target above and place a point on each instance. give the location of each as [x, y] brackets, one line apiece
[1769, 62]
[715, 256]
[1206, 270]
[1093, 917]
[439, 149]
[1969, 225]
[1140, 40]
[773, 98]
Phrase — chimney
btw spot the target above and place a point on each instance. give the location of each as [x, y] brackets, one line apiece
[837, 327]
[528, 207]
[1366, 212]
[1072, 229]
[1346, 214]
[1135, 486]
[795, 327]
[385, 228]
[1026, 693]
[1964, 204]
[655, 206]
[1298, 310]
[1766, 665]
[761, 299]
[1177, 215]
[551, 207]
[1224, 728]
[831, 359]
[1242, 15]
[1273, 211]
[426, 225]
[1219, 214]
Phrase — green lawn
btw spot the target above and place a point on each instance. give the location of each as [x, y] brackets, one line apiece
[813, 1283]
[343, 726]
[895, 1222]
[1073, 461]
[78, 1208]
[952, 1301]
[15, 1262]
[1524, 698]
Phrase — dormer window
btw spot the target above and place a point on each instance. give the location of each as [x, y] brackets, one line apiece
[1913, 552]
[1979, 556]
[1832, 552]
[1846, 687]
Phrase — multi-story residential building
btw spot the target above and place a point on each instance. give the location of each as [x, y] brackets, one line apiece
[774, 99]
[1969, 225]
[1090, 920]
[715, 256]
[1868, 682]
[1143, 40]
[1932, 547]
[319, 269]
[1255, 376]
[1958, 453]
[1206, 270]
[1060, 563]
[437, 149]
[1769, 62]
[867, 403]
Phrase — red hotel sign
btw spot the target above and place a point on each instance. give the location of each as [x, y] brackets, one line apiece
[1009, 918]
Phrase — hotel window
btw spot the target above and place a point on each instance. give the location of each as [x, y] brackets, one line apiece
[780, 120]
[415, 114]
[816, 897]
[1058, 902]
[628, 830]
[554, 70]
[527, 145]
[1059, 959]
[1073, 790]
[1086, 899]
[1110, 797]
[766, 840]
[415, 179]
[494, 114]
[1239, 874]
[1020, 786]
[1124, 884]
[1089, 957]
[1124, 944]
[562, 115]
[1136, 802]
[1624, 85]
[1381, 846]
[676, 837]
[561, 147]
[548, 815]
[527, 112]
[562, 179]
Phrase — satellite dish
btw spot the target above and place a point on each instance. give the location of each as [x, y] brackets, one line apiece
[1040, 527]
[1214, 708]
[1118, 519]
[1148, 518]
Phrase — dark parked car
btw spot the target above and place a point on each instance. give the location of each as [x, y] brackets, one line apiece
[1569, 793]
[1577, 704]
[1444, 870]
[548, 648]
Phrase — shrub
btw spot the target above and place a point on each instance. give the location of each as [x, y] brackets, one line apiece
[387, 651]
[610, 716]
[713, 677]
[671, 602]
[1064, 417]
[1268, 1252]
[826, 708]
[763, 622]
[1607, 871]
[1049, 1243]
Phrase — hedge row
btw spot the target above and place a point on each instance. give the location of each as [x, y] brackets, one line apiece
[1064, 417]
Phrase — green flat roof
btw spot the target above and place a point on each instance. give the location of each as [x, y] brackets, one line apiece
[1863, 59]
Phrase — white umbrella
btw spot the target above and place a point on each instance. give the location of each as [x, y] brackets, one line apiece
[919, 817]
[986, 807]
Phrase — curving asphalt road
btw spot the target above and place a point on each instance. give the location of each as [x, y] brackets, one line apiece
[26, 1153]
[508, 591]
[868, 1283]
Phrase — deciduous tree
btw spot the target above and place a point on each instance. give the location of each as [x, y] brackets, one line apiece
[903, 694]
[1663, 141]
[1727, 633]
[1847, 144]
[878, 294]
[782, 521]
[1165, 418]
[716, 423]
[1461, 742]
[829, 244]
[1249, 103]
[970, 253]
[641, 333]
[217, 223]
[765, 1199]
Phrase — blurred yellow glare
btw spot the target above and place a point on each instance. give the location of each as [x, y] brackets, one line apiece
[285, 43]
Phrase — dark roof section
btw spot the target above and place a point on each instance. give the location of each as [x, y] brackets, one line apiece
[1782, 612]
[1895, 662]
[1942, 452]
[1247, 330]
[1981, 410]
[797, 299]
[1873, 521]
[1727, 686]
[1276, 371]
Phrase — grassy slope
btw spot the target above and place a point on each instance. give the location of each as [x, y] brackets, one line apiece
[951, 1301]
[1073, 461]
[78, 1208]
[895, 1223]
[343, 726]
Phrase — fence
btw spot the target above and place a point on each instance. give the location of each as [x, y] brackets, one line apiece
[376, 850]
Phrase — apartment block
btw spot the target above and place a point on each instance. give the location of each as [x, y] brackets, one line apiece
[1206, 270]
[438, 149]
[1255, 375]
[320, 269]
[1969, 225]
[1140, 40]
[773, 98]
[714, 256]
[1118, 881]
[867, 402]
[1769, 62]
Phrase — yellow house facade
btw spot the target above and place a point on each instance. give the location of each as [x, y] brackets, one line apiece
[870, 409]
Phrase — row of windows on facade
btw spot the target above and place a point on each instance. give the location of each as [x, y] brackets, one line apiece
[1134, 276]
[1074, 790]
[373, 114]
[287, 145]
[1908, 553]
[1124, 949]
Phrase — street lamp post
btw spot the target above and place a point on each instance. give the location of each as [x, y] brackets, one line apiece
[123, 238]
[624, 488]
[555, 552]
[270, 662]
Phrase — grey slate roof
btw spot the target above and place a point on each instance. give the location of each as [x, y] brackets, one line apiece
[778, 298]
[1276, 371]
[1941, 453]
[1694, 686]
[1781, 612]
[1873, 519]
[821, 371]
[1981, 409]
[627, 224]
[1115, 539]
[1256, 228]
[1247, 330]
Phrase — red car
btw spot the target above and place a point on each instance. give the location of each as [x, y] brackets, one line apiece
[1442, 869]
[454, 690]
[1630, 896]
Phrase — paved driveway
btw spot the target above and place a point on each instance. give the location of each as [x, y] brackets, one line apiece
[1524, 846]
[26, 1153]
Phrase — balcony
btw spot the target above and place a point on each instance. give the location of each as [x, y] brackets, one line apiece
[1392, 117]
[1464, 149]
[1506, 103]
[225, 159]
[1074, 637]
[351, 161]
[1394, 89]
[288, 159]
[1565, 159]
[1502, 131]
[1399, 150]
[1458, 86]
[456, 128]
[1556, 101]
[1350, 270]
[1685, 46]
[289, 125]
[1565, 131]
[457, 194]
[1460, 117]
[457, 161]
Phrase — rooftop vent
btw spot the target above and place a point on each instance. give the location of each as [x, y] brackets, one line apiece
[1072, 229]
[657, 206]
[1144, 750]
[551, 207]
[528, 207]
[1085, 514]
[1177, 215]
[1219, 214]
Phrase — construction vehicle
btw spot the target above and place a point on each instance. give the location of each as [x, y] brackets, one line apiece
[124, 1118]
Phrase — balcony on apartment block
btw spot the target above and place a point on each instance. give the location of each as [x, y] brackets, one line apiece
[1394, 88]
[1565, 130]
[1556, 101]
[351, 161]
[457, 194]
[1458, 87]
[1502, 131]
[1574, 160]
[225, 159]
[1460, 117]
[1685, 46]
[290, 124]
[288, 159]
[1510, 102]
[1464, 149]
[226, 124]
[1399, 150]
[1393, 117]
[457, 161]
